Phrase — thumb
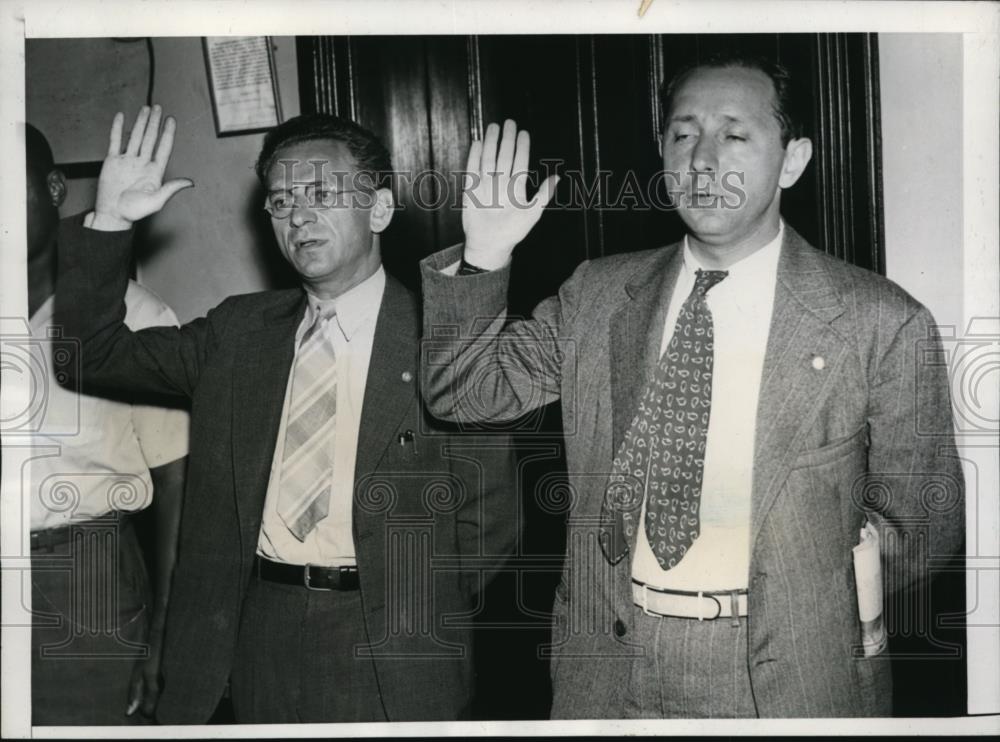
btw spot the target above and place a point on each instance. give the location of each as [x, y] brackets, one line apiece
[171, 188]
[150, 699]
[134, 693]
[545, 193]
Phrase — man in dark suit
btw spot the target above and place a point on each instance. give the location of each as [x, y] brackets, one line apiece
[333, 540]
[741, 405]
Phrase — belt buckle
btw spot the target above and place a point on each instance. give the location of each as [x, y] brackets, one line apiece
[718, 607]
[308, 582]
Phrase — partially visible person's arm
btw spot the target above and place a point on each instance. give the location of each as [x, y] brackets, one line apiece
[168, 491]
[476, 366]
[90, 308]
[915, 485]
[162, 434]
[93, 275]
[488, 523]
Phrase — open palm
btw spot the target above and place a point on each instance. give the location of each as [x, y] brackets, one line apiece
[496, 212]
[131, 184]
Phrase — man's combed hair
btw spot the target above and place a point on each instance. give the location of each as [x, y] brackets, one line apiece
[368, 152]
[787, 106]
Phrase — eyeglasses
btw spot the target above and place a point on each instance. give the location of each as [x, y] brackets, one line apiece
[281, 204]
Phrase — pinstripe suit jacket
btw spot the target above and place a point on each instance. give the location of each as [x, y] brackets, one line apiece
[427, 515]
[867, 433]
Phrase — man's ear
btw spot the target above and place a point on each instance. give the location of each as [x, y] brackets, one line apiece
[55, 183]
[382, 211]
[798, 152]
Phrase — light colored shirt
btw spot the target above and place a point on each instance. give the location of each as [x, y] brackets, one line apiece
[352, 333]
[741, 306]
[93, 455]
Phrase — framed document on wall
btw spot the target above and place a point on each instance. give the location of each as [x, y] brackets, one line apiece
[242, 83]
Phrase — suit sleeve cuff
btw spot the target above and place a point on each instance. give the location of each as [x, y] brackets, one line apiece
[79, 244]
[487, 291]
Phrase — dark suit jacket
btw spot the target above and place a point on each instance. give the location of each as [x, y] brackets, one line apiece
[865, 433]
[436, 506]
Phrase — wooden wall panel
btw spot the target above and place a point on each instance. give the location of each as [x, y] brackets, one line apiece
[392, 100]
[451, 122]
[627, 145]
[590, 105]
[848, 149]
[537, 81]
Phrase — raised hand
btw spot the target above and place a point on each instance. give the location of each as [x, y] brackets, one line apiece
[131, 183]
[496, 213]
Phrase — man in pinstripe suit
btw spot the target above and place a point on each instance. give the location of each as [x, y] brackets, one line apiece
[740, 405]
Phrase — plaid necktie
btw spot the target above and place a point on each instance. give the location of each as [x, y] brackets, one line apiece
[663, 451]
[307, 461]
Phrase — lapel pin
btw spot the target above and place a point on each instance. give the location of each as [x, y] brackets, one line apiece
[407, 377]
[408, 437]
[819, 363]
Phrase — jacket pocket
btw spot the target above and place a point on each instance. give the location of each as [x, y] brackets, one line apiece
[838, 449]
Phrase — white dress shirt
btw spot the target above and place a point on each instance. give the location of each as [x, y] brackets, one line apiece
[352, 332]
[93, 455]
[741, 306]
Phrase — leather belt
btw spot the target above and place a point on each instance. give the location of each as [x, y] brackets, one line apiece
[49, 538]
[705, 606]
[311, 576]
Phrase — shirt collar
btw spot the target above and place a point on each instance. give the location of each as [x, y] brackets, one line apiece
[354, 307]
[759, 263]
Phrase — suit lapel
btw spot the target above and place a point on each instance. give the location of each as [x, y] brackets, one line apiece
[636, 332]
[804, 353]
[260, 376]
[265, 355]
[392, 375]
[635, 336]
[792, 387]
